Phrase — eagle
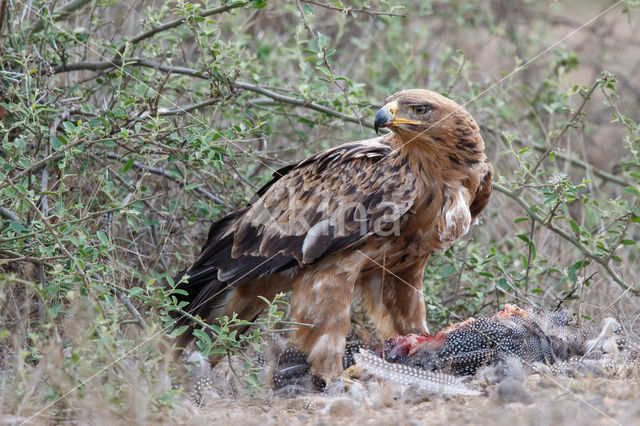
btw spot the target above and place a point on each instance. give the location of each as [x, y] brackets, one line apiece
[362, 217]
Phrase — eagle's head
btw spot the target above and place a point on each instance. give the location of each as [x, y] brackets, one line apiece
[423, 114]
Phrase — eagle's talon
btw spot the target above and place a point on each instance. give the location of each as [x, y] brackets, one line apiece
[352, 372]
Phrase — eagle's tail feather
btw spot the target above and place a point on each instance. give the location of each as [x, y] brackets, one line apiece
[206, 298]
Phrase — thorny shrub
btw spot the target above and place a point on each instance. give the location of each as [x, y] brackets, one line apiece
[127, 129]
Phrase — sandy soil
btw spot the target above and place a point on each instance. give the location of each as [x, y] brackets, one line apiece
[533, 400]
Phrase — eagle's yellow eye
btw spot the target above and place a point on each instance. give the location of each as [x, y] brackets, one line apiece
[420, 109]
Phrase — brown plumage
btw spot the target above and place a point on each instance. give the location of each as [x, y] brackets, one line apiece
[324, 227]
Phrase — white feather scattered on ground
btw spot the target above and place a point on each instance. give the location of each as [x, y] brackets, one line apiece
[440, 383]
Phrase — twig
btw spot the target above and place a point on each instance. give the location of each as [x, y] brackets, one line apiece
[352, 11]
[344, 88]
[526, 275]
[81, 219]
[55, 236]
[132, 309]
[573, 160]
[42, 315]
[559, 136]
[301, 103]
[104, 65]
[514, 195]
[41, 163]
[44, 207]
[61, 13]
[458, 72]
[3, 12]
[586, 166]
[125, 301]
[178, 22]
[188, 108]
[162, 172]
[9, 214]
[152, 229]
[30, 259]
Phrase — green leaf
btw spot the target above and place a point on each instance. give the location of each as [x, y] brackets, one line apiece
[135, 291]
[574, 227]
[17, 227]
[55, 143]
[322, 41]
[178, 331]
[128, 165]
[102, 237]
[203, 336]
[324, 70]
[68, 126]
[532, 246]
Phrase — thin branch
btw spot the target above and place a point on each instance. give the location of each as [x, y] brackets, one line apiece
[564, 157]
[80, 270]
[188, 108]
[566, 236]
[559, 136]
[132, 309]
[162, 172]
[125, 301]
[104, 65]
[586, 166]
[3, 13]
[176, 23]
[301, 103]
[61, 13]
[457, 76]
[81, 219]
[15, 257]
[115, 63]
[351, 11]
[325, 60]
[9, 214]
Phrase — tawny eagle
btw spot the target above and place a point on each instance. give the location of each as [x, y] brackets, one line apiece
[360, 217]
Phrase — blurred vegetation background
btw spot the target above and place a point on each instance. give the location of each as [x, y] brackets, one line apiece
[127, 128]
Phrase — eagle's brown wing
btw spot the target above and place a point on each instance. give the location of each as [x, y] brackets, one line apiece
[331, 200]
[483, 193]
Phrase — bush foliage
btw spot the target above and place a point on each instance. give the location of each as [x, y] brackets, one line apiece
[127, 129]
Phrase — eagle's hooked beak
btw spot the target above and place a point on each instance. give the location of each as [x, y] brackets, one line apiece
[386, 117]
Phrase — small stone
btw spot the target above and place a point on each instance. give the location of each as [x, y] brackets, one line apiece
[390, 393]
[414, 394]
[343, 407]
[510, 390]
[609, 402]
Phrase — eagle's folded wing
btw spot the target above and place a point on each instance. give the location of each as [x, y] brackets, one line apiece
[327, 202]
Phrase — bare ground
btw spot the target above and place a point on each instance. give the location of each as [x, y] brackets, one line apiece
[535, 400]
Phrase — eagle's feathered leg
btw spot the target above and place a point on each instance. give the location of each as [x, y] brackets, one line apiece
[394, 300]
[321, 298]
